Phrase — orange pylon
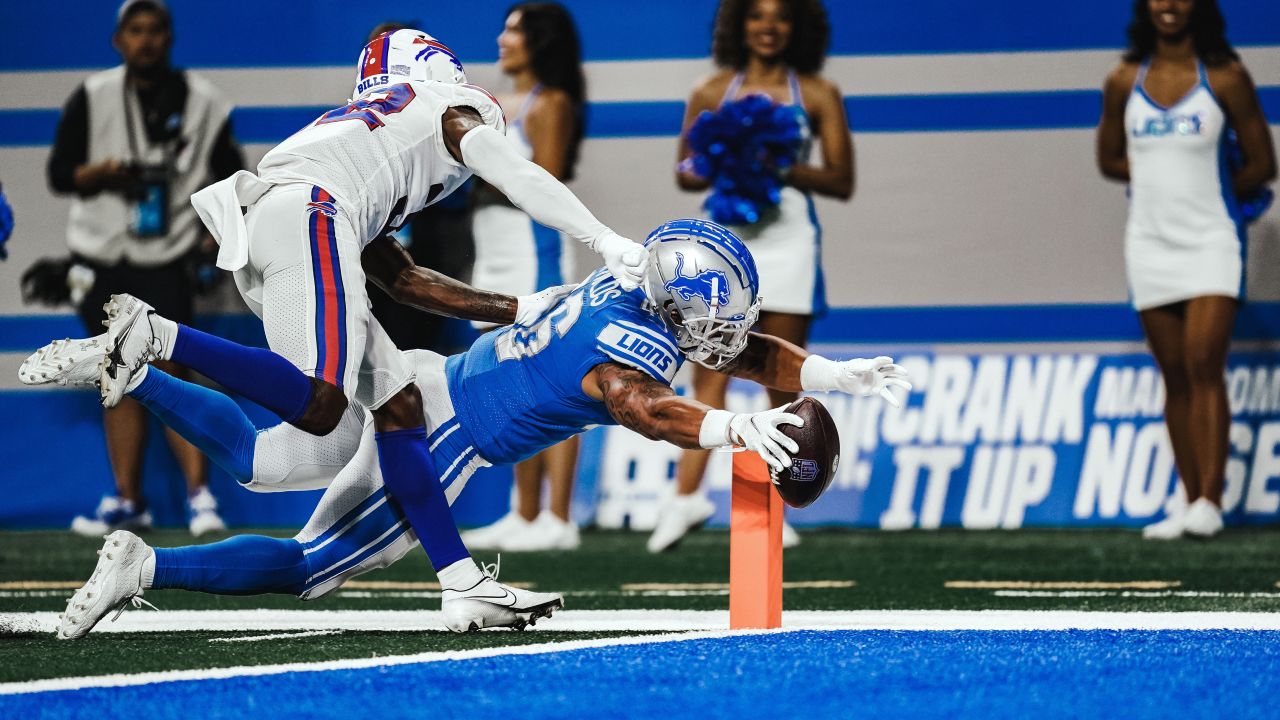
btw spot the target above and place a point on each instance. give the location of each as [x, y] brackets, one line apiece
[755, 546]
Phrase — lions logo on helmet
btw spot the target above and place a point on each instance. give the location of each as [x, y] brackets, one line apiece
[406, 56]
[703, 283]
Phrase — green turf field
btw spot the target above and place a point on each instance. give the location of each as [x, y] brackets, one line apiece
[834, 570]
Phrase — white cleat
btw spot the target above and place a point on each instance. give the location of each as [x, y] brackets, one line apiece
[1170, 528]
[1203, 519]
[490, 604]
[204, 513]
[113, 513]
[131, 344]
[65, 362]
[680, 516]
[115, 583]
[547, 532]
[490, 537]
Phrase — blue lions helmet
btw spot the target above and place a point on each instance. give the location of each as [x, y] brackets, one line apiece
[702, 281]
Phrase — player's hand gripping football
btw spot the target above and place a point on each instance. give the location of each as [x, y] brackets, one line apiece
[760, 432]
[859, 376]
[627, 260]
[531, 308]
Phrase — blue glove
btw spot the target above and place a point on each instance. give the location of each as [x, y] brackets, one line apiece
[6, 224]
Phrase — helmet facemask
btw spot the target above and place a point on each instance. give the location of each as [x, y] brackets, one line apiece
[709, 340]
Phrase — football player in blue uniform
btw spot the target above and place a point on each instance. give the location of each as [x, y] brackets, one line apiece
[599, 355]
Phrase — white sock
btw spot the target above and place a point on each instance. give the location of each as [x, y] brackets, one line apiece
[136, 380]
[166, 331]
[149, 569]
[461, 575]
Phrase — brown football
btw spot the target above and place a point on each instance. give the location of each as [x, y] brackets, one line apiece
[813, 466]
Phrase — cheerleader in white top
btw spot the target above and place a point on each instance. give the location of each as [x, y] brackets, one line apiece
[775, 48]
[539, 50]
[1167, 110]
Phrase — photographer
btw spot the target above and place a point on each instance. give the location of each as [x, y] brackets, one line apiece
[134, 142]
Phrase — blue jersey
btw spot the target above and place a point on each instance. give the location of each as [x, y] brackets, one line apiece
[517, 391]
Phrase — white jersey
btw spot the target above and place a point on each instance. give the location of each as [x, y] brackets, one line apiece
[382, 157]
[1184, 237]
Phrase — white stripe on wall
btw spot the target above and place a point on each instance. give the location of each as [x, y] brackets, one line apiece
[668, 80]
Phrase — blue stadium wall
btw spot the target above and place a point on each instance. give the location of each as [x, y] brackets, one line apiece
[982, 247]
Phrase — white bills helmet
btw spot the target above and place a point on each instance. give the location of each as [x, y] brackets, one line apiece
[702, 280]
[406, 56]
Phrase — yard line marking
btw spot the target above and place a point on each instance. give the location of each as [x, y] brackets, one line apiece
[667, 620]
[1060, 584]
[33, 593]
[390, 585]
[121, 680]
[276, 636]
[367, 595]
[790, 585]
[352, 584]
[41, 584]
[1135, 594]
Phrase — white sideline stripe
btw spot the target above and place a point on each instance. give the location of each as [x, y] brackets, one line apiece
[699, 621]
[275, 636]
[77, 683]
[1133, 594]
[657, 80]
[664, 620]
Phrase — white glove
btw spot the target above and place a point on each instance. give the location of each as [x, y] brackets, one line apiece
[754, 431]
[856, 377]
[627, 260]
[531, 308]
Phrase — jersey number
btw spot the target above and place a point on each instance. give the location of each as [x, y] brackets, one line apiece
[518, 343]
[371, 108]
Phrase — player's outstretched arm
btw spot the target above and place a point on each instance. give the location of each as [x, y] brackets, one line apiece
[537, 192]
[778, 364]
[391, 268]
[651, 408]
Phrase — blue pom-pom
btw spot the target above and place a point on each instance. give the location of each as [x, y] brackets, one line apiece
[744, 148]
[1255, 204]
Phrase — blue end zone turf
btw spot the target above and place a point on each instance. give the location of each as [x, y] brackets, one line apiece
[952, 674]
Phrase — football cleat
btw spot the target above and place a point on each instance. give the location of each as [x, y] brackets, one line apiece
[65, 362]
[490, 537]
[490, 604]
[131, 344]
[680, 516]
[115, 583]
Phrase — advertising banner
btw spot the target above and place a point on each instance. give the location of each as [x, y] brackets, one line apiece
[995, 441]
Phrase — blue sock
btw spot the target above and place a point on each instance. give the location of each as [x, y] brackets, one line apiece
[258, 374]
[242, 565]
[206, 418]
[414, 484]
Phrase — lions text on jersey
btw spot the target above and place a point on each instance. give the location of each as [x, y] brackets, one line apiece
[519, 390]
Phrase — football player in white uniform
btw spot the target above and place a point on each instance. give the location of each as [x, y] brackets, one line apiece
[413, 132]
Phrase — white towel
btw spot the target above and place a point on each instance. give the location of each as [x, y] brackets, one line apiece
[219, 206]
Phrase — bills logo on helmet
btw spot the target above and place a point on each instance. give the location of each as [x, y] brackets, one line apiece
[710, 285]
[435, 47]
